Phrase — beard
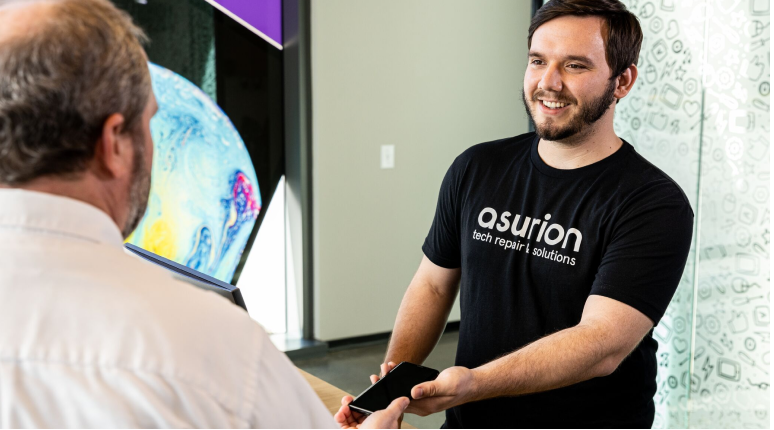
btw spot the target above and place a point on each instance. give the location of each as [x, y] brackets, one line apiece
[139, 191]
[587, 115]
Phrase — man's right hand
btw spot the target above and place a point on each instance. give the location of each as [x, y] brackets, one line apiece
[389, 418]
[384, 369]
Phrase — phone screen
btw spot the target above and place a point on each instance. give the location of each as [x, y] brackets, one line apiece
[397, 383]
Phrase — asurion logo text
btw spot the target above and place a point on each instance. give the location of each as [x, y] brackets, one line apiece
[550, 234]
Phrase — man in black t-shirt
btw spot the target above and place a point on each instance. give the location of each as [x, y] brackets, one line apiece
[566, 244]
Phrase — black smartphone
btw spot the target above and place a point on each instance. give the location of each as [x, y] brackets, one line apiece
[398, 383]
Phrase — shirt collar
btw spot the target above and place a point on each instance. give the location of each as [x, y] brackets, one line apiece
[49, 213]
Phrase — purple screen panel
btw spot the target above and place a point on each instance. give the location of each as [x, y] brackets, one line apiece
[264, 15]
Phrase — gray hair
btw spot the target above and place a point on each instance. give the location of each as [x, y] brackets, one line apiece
[60, 82]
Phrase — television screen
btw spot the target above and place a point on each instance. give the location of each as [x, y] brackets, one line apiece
[204, 198]
[216, 69]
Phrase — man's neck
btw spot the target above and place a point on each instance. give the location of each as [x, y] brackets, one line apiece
[84, 189]
[580, 150]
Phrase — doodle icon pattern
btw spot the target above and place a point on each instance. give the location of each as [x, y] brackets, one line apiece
[700, 111]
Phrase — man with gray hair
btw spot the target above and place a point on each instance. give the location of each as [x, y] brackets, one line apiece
[90, 336]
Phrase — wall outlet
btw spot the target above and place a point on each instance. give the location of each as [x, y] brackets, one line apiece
[388, 157]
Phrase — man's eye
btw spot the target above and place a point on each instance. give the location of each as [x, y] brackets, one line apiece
[536, 62]
[575, 66]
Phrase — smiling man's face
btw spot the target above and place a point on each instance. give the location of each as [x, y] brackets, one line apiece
[567, 85]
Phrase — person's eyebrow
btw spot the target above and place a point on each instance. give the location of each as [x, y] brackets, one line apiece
[579, 58]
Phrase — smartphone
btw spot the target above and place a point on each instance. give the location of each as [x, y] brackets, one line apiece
[398, 383]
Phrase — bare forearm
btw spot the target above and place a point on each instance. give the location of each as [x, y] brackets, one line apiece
[421, 319]
[608, 331]
[561, 359]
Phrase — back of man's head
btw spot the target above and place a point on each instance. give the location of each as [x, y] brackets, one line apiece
[65, 67]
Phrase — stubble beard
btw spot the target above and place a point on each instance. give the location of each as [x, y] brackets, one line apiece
[139, 191]
[588, 114]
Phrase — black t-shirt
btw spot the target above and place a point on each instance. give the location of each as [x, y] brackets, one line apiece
[533, 242]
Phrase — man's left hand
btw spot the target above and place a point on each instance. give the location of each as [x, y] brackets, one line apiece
[453, 387]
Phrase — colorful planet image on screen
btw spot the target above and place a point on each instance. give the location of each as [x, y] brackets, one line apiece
[204, 196]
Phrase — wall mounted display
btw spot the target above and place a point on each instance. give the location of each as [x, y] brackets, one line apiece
[218, 51]
[204, 196]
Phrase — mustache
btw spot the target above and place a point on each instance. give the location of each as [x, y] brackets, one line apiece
[553, 96]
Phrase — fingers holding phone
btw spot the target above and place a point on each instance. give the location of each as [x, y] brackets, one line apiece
[397, 382]
[454, 386]
[389, 418]
[384, 369]
[347, 419]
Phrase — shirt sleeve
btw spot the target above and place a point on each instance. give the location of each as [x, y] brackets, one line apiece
[645, 259]
[283, 397]
[442, 244]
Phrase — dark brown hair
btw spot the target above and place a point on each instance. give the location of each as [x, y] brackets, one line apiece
[59, 82]
[624, 35]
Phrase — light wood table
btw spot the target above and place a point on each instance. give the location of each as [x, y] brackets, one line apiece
[330, 395]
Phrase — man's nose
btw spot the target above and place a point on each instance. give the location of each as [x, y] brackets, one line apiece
[551, 79]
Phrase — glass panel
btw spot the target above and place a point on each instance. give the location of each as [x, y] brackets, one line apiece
[731, 352]
[700, 112]
[661, 118]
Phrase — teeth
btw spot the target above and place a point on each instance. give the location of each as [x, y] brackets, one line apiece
[553, 105]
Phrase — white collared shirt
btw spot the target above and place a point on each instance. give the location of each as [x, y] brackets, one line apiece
[93, 337]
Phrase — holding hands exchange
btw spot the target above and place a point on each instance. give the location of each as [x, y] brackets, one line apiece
[385, 419]
[454, 386]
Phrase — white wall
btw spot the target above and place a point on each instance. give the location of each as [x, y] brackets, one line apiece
[432, 77]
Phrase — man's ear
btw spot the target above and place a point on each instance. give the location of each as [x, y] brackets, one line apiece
[625, 82]
[113, 154]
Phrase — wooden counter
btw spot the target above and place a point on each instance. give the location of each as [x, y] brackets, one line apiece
[330, 395]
